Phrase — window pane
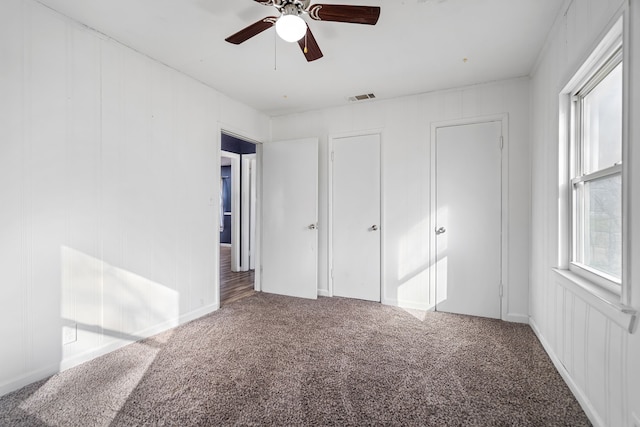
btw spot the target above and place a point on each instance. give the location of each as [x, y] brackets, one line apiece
[602, 221]
[603, 123]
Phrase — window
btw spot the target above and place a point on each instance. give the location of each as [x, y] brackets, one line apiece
[596, 173]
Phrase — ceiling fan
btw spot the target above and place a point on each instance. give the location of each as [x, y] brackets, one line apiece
[292, 28]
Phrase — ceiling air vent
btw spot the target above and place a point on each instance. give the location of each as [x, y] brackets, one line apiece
[361, 97]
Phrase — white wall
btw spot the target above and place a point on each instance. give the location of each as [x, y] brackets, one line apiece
[597, 357]
[405, 124]
[109, 180]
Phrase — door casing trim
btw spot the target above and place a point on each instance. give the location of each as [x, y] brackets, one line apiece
[244, 135]
[504, 220]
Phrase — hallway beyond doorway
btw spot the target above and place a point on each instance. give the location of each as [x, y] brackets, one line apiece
[233, 285]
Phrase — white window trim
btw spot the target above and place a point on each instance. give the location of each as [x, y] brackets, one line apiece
[578, 279]
[607, 60]
[601, 62]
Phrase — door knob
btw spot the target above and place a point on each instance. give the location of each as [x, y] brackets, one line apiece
[312, 227]
[440, 230]
[374, 228]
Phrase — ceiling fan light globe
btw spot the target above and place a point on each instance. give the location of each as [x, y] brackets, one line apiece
[291, 28]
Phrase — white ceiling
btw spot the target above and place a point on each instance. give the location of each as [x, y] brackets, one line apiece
[417, 46]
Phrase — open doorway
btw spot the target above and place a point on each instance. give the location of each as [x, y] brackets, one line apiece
[238, 197]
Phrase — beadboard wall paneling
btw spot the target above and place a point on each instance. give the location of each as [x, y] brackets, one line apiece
[13, 183]
[108, 164]
[593, 352]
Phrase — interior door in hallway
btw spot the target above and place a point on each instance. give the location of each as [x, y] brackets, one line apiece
[355, 217]
[468, 219]
[290, 218]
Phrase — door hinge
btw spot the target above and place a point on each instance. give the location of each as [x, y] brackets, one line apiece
[501, 142]
[501, 290]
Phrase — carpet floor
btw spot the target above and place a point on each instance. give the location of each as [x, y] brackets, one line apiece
[274, 360]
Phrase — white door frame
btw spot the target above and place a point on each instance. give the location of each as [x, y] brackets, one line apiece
[332, 138]
[241, 134]
[247, 212]
[235, 208]
[504, 220]
[257, 259]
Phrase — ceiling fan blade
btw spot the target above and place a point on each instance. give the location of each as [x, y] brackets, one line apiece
[344, 13]
[310, 47]
[265, 2]
[252, 30]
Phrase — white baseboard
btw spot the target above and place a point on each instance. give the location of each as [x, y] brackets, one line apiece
[517, 318]
[197, 313]
[389, 302]
[70, 362]
[323, 293]
[145, 333]
[26, 379]
[411, 305]
[566, 376]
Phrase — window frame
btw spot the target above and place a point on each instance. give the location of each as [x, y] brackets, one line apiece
[608, 61]
[616, 36]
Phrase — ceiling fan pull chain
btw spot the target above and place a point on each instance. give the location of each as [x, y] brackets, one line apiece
[305, 43]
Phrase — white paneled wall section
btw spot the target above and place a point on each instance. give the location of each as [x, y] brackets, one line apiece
[597, 357]
[108, 169]
[405, 126]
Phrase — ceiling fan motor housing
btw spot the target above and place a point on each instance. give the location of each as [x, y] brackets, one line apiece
[300, 5]
[291, 9]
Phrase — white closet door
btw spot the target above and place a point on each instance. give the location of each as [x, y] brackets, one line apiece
[356, 217]
[468, 223]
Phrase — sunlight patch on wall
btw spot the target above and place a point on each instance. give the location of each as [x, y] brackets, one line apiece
[413, 267]
[102, 304]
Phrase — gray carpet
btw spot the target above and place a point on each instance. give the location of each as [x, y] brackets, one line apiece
[273, 360]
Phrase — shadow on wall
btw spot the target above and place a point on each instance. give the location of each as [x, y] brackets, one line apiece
[104, 307]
